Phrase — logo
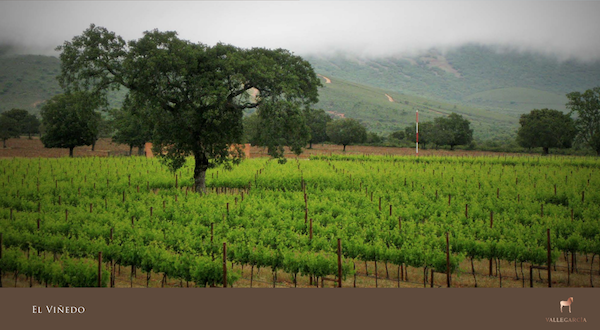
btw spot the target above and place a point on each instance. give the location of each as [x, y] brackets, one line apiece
[565, 303]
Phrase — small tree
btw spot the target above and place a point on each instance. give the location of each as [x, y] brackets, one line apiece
[31, 125]
[398, 135]
[281, 124]
[25, 123]
[317, 120]
[346, 131]
[8, 128]
[452, 130]
[425, 133]
[374, 138]
[19, 116]
[131, 130]
[587, 107]
[546, 128]
[70, 121]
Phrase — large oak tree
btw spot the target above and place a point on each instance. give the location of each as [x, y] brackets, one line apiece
[194, 94]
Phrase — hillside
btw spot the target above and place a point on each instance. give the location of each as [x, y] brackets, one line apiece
[487, 77]
[489, 86]
[384, 111]
[26, 81]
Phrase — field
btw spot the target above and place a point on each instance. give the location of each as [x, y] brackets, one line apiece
[281, 223]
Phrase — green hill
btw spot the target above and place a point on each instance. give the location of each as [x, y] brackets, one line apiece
[371, 106]
[26, 81]
[519, 99]
[480, 76]
[489, 86]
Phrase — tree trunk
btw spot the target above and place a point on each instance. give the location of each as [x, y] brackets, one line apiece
[344, 147]
[200, 171]
[451, 147]
[71, 151]
[141, 151]
[94, 145]
[130, 149]
[4, 143]
[310, 145]
[29, 134]
[545, 152]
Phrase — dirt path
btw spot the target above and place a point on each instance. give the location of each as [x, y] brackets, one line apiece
[327, 80]
[389, 98]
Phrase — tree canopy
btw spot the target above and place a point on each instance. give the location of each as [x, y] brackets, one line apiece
[70, 120]
[425, 133]
[8, 128]
[25, 122]
[130, 127]
[346, 131]
[194, 94]
[587, 107]
[546, 128]
[452, 130]
[317, 120]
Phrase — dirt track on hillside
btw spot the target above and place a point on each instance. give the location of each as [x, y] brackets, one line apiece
[327, 80]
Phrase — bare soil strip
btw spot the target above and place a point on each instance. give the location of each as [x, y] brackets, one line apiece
[327, 80]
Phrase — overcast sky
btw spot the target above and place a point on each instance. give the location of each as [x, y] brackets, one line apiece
[567, 29]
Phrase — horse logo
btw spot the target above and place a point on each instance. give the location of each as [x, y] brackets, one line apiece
[567, 302]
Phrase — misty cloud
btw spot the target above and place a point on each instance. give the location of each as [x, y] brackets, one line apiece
[563, 29]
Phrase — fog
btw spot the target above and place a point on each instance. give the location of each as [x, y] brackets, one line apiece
[568, 30]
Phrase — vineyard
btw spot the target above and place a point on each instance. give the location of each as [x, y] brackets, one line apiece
[331, 220]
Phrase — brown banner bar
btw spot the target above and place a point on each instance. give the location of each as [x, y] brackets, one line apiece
[218, 308]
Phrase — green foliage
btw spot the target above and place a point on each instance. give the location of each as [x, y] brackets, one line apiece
[452, 130]
[374, 138]
[317, 120]
[267, 228]
[25, 123]
[346, 131]
[195, 95]
[9, 128]
[546, 128]
[587, 107]
[398, 135]
[280, 124]
[130, 128]
[426, 133]
[70, 120]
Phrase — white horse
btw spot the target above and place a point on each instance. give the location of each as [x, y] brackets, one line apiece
[566, 303]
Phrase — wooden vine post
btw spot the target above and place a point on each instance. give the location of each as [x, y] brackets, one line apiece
[549, 261]
[339, 263]
[1, 256]
[491, 226]
[224, 264]
[310, 236]
[100, 269]
[447, 260]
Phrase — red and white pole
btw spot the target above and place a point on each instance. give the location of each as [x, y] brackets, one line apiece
[417, 132]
